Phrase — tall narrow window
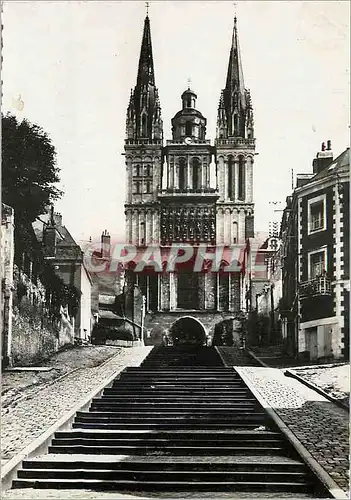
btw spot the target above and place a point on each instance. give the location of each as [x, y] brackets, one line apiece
[144, 127]
[241, 179]
[188, 128]
[188, 102]
[230, 177]
[196, 174]
[235, 232]
[182, 174]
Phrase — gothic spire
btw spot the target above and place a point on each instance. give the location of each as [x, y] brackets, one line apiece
[235, 111]
[144, 112]
[235, 76]
[146, 74]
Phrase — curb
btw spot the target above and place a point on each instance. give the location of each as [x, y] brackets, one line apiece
[262, 363]
[329, 483]
[220, 355]
[42, 442]
[314, 387]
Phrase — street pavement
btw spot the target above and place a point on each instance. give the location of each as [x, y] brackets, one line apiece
[28, 417]
[321, 426]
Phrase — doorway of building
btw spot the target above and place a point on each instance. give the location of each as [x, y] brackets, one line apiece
[188, 330]
[311, 342]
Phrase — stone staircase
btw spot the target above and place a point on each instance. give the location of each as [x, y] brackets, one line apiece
[181, 422]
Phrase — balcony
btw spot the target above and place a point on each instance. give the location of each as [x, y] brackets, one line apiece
[235, 141]
[315, 287]
[180, 142]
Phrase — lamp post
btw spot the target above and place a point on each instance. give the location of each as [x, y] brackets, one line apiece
[142, 318]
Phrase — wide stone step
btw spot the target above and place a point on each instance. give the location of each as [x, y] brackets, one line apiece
[177, 385]
[174, 425]
[150, 475]
[198, 464]
[105, 404]
[144, 411]
[149, 443]
[156, 398]
[185, 435]
[155, 414]
[168, 450]
[166, 485]
[177, 390]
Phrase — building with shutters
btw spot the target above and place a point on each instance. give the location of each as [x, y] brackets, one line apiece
[189, 199]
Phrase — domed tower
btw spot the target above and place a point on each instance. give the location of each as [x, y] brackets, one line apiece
[188, 193]
[189, 122]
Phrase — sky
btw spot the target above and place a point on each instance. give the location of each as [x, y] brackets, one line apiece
[69, 66]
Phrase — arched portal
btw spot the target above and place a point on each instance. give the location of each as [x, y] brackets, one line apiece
[188, 330]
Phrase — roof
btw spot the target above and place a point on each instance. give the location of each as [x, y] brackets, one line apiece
[342, 162]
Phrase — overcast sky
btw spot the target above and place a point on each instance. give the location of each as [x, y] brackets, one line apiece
[74, 63]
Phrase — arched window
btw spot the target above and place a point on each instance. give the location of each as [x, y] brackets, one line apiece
[188, 101]
[182, 174]
[143, 125]
[235, 232]
[241, 178]
[188, 128]
[230, 177]
[196, 174]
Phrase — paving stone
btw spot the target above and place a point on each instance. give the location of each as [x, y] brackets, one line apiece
[321, 426]
[30, 417]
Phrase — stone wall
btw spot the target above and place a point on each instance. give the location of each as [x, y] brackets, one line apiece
[6, 260]
[161, 323]
[36, 333]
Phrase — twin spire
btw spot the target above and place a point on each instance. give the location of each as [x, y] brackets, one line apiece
[235, 117]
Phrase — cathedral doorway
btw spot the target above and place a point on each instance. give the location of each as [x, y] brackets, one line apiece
[188, 330]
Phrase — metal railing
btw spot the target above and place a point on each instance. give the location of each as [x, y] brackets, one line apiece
[315, 287]
[187, 191]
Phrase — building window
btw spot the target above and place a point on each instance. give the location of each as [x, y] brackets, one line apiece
[147, 170]
[137, 187]
[182, 172]
[230, 178]
[235, 232]
[136, 171]
[317, 263]
[241, 178]
[143, 126]
[188, 128]
[317, 214]
[196, 174]
[188, 102]
[148, 187]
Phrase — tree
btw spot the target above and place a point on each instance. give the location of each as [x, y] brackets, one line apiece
[29, 169]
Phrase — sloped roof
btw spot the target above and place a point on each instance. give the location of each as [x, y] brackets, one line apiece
[340, 163]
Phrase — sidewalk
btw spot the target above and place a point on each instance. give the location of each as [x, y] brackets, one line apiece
[319, 425]
[36, 405]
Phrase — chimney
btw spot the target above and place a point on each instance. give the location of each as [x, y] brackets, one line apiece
[323, 158]
[50, 236]
[105, 245]
[58, 219]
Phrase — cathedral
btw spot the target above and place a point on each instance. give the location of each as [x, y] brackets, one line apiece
[190, 192]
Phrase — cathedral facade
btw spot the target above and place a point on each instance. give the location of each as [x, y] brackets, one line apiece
[188, 192]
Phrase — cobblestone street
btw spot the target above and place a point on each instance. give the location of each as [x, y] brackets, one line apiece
[319, 425]
[30, 416]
